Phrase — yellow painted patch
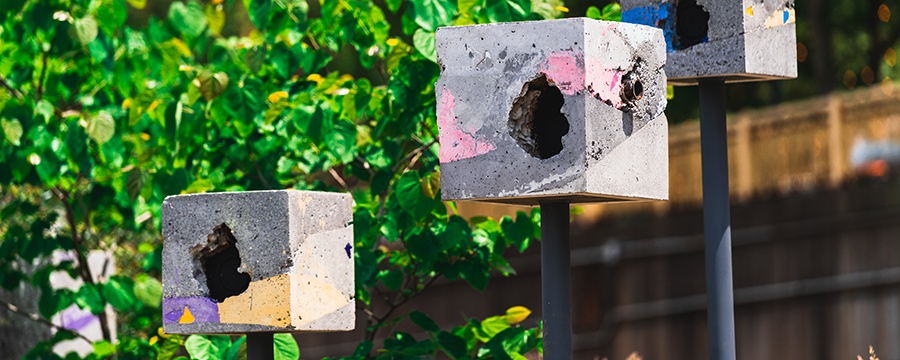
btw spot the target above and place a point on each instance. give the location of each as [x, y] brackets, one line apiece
[265, 302]
[750, 10]
[314, 298]
[187, 317]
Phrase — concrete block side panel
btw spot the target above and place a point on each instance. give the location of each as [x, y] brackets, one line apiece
[773, 61]
[494, 113]
[721, 46]
[491, 82]
[638, 169]
[625, 63]
[291, 236]
[723, 58]
[254, 218]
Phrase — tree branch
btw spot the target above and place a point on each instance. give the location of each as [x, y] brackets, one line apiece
[34, 317]
[12, 91]
[40, 84]
[83, 268]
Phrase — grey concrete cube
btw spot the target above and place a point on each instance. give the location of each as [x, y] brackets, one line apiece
[552, 110]
[738, 40]
[274, 261]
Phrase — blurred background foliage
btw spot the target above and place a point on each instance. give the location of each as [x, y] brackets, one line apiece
[108, 106]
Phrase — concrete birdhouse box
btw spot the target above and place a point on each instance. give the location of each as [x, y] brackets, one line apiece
[738, 40]
[558, 110]
[258, 261]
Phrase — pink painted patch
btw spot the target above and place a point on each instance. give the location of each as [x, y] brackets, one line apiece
[605, 83]
[563, 69]
[456, 144]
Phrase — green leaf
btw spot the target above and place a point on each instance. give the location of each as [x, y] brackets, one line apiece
[612, 12]
[431, 14]
[12, 130]
[475, 274]
[409, 191]
[211, 84]
[88, 298]
[137, 4]
[517, 314]
[423, 321]
[101, 127]
[234, 351]
[48, 304]
[286, 347]
[200, 186]
[111, 15]
[201, 348]
[103, 349]
[215, 17]
[260, 13]
[453, 345]
[246, 100]
[392, 279]
[45, 109]
[169, 347]
[148, 290]
[119, 292]
[341, 140]
[494, 325]
[593, 12]
[465, 6]
[507, 10]
[393, 5]
[84, 30]
[134, 183]
[188, 18]
[424, 43]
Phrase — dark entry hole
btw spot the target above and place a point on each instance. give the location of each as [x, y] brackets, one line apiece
[632, 89]
[692, 25]
[536, 120]
[218, 262]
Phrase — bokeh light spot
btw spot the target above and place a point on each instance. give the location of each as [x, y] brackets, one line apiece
[884, 13]
[887, 86]
[802, 52]
[867, 75]
[850, 79]
[890, 57]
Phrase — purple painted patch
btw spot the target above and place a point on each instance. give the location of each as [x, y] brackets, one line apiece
[348, 249]
[203, 309]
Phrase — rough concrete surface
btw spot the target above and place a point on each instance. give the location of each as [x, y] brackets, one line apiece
[739, 40]
[536, 111]
[292, 269]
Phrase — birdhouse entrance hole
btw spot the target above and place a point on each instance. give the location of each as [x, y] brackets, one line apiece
[216, 264]
[536, 120]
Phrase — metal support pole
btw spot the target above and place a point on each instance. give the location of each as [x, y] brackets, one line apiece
[260, 346]
[555, 282]
[717, 220]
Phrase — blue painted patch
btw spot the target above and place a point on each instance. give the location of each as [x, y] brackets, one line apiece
[348, 249]
[661, 16]
[787, 16]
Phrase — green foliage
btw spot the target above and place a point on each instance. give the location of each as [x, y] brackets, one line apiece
[104, 115]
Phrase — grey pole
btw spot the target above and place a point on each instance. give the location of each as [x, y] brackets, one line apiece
[555, 282]
[716, 219]
[260, 346]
